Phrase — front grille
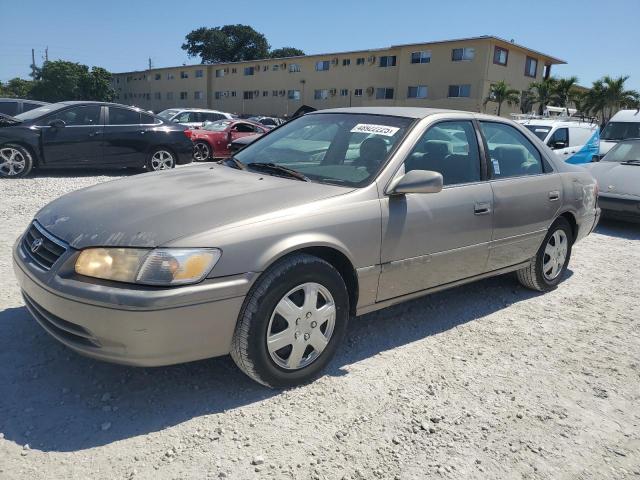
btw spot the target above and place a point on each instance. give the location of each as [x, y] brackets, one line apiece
[57, 326]
[42, 247]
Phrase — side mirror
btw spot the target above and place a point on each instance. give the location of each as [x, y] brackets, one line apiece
[416, 181]
[57, 123]
[558, 145]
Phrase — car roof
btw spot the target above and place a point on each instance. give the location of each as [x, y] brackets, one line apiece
[409, 112]
[626, 116]
[8, 99]
[195, 110]
[558, 123]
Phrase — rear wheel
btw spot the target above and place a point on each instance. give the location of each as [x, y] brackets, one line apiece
[292, 322]
[550, 263]
[15, 161]
[201, 151]
[161, 159]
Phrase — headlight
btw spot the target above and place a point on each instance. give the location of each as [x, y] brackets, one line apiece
[163, 266]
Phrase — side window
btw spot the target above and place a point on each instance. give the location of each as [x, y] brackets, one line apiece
[147, 119]
[243, 127]
[77, 116]
[450, 148]
[559, 138]
[9, 108]
[123, 116]
[511, 153]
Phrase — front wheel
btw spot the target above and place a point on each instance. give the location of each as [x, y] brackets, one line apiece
[15, 161]
[161, 159]
[292, 322]
[550, 263]
[201, 151]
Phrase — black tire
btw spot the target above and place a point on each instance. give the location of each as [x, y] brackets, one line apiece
[201, 151]
[249, 346]
[13, 156]
[158, 159]
[534, 276]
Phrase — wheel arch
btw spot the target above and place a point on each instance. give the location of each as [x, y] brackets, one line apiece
[571, 218]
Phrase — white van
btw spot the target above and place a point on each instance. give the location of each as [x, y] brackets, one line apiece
[623, 125]
[570, 138]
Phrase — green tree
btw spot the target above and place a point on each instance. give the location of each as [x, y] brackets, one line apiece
[500, 93]
[61, 80]
[229, 43]
[543, 92]
[608, 95]
[527, 102]
[285, 52]
[16, 87]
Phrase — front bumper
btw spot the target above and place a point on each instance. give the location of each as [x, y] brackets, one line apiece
[622, 208]
[129, 325]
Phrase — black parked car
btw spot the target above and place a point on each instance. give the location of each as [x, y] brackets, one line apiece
[90, 134]
[15, 106]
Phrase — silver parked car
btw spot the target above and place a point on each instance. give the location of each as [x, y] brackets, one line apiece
[618, 175]
[337, 213]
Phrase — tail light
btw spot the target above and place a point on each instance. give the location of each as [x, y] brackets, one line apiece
[188, 134]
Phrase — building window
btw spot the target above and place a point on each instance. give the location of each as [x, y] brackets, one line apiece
[346, 62]
[265, 93]
[360, 61]
[248, 70]
[183, 95]
[293, 94]
[322, 65]
[170, 76]
[199, 73]
[531, 67]
[169, 95]
[197, 95]
[184, 74]
[157, 96]
[157, 76]
[462, 54]
[248, 95]
[459, 90]
[234, 70]
[294, 67]
[388, 61]
[344, 92]
[219, 72]
[357, 92]
[217, 95]
[419, 91]
[500, 56]
[275, 68]
[384, 93]
[421, 57]
[321, 94]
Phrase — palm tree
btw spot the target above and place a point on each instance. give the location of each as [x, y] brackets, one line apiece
[565, 91]
[500, 93]
[527, 101]
[608, 95]
[543, 92]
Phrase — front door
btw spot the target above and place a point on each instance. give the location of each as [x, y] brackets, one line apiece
[437, 238]
[526, 195]
[78, 140]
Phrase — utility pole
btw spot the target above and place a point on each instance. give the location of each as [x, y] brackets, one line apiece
[46, 54]
[150, 64]
[33, 63]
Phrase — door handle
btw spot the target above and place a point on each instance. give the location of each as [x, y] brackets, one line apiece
[93, 134]
[142, 132]
[481, 208]
[554, 195]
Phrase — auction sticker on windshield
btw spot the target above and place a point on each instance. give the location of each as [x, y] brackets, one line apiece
[375, 129]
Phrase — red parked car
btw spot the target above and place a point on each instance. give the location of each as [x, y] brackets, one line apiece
[213, 139]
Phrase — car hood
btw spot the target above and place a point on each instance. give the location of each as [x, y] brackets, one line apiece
[153, 209]
[616, 178]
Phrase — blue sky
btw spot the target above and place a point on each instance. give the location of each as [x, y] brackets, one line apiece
[594, 37]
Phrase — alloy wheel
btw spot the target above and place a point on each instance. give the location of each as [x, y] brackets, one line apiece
[201, 152]
[162, 160]
[12, 161]
[301, 326]
[555, 254]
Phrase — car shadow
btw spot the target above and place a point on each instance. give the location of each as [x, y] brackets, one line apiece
[620, 229]
[56, 400]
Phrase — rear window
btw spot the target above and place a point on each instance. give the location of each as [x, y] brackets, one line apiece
[168, 114]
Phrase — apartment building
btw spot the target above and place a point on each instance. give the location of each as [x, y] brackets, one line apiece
[454, 74]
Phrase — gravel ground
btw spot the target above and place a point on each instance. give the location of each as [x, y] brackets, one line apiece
[483, 381]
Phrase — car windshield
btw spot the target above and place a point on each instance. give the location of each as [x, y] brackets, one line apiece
[539, 131]
[40, 111]
[218, 126]
[335, 148]
[620, 131]
[623, 152]
[168, 114]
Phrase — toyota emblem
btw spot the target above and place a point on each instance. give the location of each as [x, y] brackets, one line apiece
[35, 245]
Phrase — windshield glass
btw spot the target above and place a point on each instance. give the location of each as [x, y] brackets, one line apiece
[336, 148]
[168, 114]
[620, 131]
[40, 111]
[218, 126]
[623, 152]
[539, 131]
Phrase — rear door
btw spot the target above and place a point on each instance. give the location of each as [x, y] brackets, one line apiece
[527, 194]
[79, 142]
[126, 138]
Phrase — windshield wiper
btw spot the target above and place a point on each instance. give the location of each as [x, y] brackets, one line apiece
[631, 162]
[233, 162]
[272, 167]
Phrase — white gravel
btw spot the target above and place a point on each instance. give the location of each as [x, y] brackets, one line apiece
[483, 381]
